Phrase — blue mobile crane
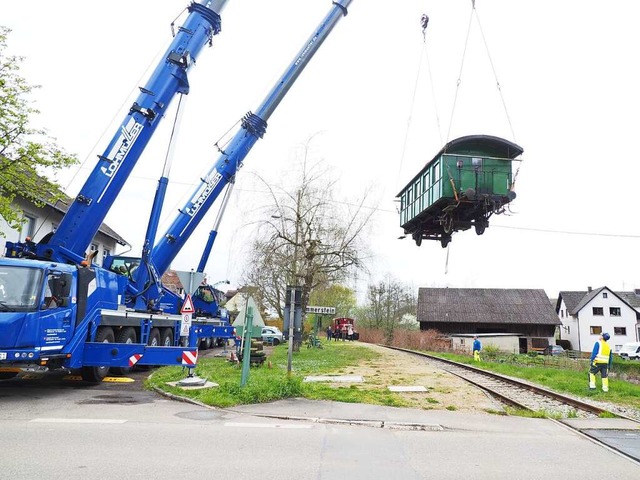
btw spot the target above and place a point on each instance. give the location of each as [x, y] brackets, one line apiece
[58, 311]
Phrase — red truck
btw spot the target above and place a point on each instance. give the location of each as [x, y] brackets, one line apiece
[341, 324]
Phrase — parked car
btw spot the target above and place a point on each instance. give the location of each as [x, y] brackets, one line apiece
[272, 335]
[630, 351]
[554, 350]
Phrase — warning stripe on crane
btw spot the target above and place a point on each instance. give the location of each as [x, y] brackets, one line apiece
[189, 358]
[133, 359]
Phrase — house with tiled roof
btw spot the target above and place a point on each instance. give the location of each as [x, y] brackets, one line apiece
[527, 313]
[586, 314]
[40, 221]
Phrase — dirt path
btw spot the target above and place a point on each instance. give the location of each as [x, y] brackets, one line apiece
[444, 391]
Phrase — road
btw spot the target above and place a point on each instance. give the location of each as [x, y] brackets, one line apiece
[58, 429]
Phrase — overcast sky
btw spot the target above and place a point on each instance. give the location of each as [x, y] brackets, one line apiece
[569, 78]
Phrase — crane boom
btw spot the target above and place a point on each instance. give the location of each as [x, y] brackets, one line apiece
[253, 126]
[78, 227]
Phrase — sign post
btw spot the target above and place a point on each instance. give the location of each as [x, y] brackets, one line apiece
[186, 311]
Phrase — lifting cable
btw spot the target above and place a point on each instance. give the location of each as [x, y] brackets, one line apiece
[424, 21]
[495, 75]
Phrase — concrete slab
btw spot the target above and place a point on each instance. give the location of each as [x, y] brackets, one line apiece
[627, 441]
[601, 423]
[407, 388]
[207, 384]
[335, 378]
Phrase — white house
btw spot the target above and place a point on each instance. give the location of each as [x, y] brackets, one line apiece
[585, 315]
[41, 221]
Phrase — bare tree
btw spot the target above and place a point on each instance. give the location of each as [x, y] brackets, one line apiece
[309, 238]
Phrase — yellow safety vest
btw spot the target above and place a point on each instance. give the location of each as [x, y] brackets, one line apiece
[603, 352]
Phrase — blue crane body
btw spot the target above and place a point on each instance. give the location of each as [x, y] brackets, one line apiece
[59, 311]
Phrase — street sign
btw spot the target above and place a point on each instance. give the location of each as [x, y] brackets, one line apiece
[190, 280]
[187, 306]
[189, 358]
[185, 324]
[321, 310]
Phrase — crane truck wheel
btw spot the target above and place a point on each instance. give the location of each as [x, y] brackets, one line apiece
[96, 374]
[126, 335]
[206, 343]
[166, 337]
[154, 338]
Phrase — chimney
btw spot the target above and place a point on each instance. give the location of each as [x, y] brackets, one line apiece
[637, 291]
[588, 289]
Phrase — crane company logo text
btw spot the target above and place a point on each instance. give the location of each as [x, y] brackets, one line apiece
[203, 192]
[122, 146]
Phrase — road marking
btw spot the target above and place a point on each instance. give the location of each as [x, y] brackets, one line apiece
[266, 425]
[76, 420]
[78, 378]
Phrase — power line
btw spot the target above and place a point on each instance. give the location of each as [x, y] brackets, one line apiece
[568, 232]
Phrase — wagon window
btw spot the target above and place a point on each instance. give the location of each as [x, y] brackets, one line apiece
[403, 208]
[477, 163]
[426, 189]
[435, 180]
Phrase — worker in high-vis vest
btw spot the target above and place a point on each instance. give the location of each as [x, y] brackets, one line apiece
[477, 346]
[601, 360]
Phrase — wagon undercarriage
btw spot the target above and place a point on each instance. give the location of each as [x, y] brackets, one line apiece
[453, 216]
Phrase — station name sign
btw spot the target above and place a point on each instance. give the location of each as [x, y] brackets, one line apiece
[322, 310]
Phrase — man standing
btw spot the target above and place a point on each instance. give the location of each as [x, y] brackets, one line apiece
[329, 333]
[477, 346]
[601, 360]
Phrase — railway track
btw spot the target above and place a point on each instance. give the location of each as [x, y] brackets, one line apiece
[557, 407]
[520, 394]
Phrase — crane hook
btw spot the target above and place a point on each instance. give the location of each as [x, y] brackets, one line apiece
[424, 21]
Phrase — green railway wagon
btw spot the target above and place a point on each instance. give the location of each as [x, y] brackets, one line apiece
[469, 180]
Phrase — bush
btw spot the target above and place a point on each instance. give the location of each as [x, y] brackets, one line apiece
[428, 340]
[490, 351]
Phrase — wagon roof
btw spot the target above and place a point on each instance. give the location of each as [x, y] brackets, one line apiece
[498, 146]
[486, 305]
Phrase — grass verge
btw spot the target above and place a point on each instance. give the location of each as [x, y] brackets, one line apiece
[271, 382]
[572, 380]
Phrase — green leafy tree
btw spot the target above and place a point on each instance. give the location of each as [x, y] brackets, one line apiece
[388, 303]
[27, 154]
[338, 296]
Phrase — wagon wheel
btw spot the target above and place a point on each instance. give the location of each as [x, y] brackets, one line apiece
[481, 224]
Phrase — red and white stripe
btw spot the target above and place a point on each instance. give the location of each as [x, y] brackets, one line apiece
[133, 359]
[189, 358]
